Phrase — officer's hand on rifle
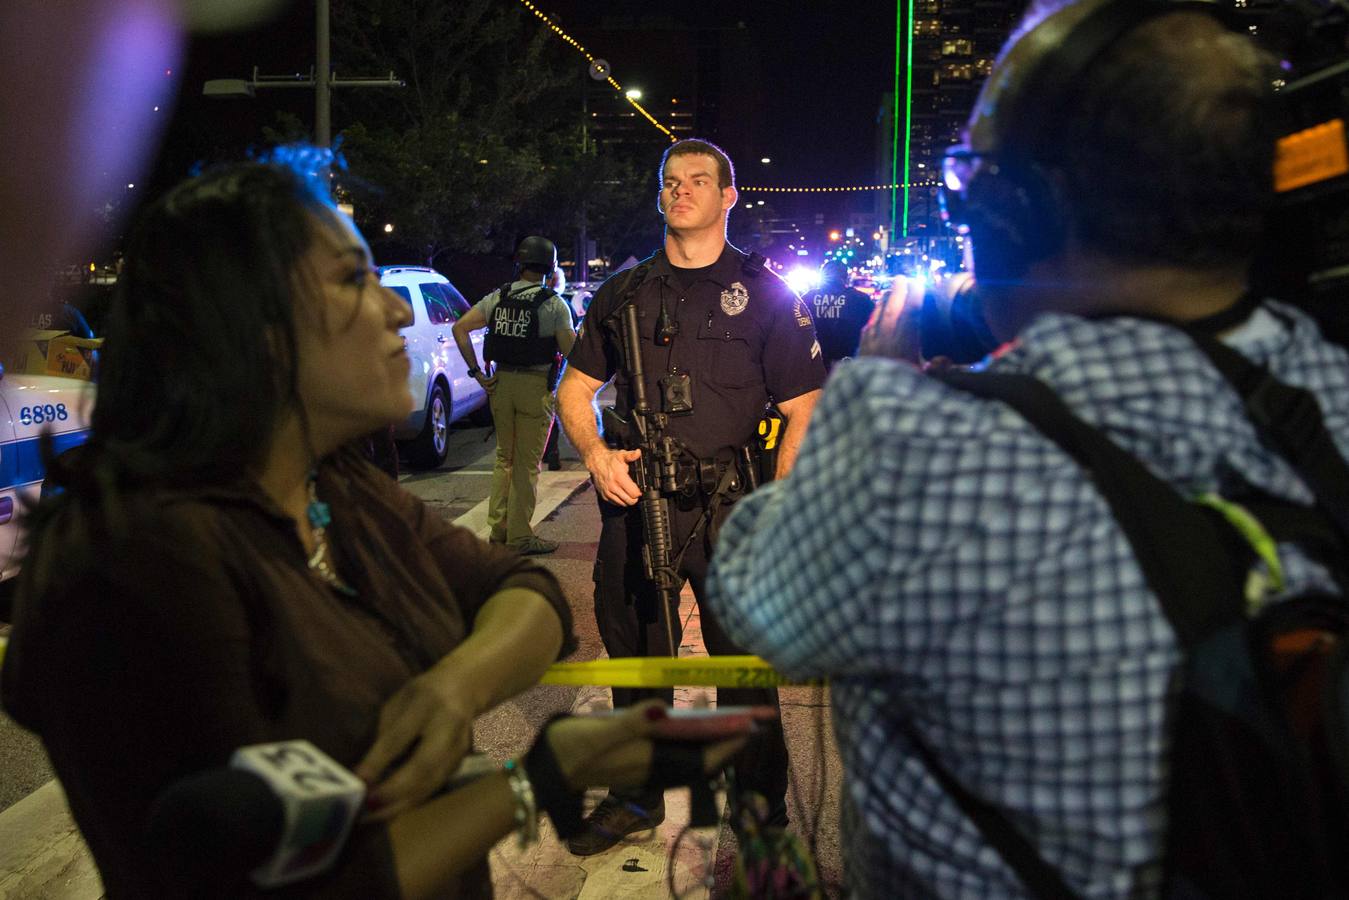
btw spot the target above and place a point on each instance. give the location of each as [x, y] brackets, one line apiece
[609, 471]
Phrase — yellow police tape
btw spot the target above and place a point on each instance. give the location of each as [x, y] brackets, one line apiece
[657, 672]
[666, 671]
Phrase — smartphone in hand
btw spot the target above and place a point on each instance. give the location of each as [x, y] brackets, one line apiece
[711, 723]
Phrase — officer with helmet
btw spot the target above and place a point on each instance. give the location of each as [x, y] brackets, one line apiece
[528, 326]
[840, 312]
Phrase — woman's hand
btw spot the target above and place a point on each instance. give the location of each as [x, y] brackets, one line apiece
[434, 721]
[616, 750]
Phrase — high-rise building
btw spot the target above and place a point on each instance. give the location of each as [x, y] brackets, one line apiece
[952, 48]
[954, 44]
[685, 66]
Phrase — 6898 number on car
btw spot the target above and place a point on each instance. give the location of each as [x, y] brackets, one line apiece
[47, 412]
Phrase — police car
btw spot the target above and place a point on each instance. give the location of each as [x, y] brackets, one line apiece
[442, 391]
[30, 405]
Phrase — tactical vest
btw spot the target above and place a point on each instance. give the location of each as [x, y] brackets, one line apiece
[513, 332]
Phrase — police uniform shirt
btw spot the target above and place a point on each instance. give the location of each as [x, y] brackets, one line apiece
[840, 314]
[743, 340]
[553, 313]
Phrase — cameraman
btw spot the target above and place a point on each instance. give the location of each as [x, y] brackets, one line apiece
[956, 575]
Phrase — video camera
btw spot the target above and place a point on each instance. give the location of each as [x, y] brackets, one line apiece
[1305, 250]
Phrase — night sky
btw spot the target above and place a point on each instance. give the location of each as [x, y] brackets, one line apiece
[823, 69]
[829, 64]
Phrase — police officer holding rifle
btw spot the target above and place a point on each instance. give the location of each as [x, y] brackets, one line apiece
[699, 339]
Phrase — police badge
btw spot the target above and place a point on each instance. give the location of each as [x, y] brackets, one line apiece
[734, 300]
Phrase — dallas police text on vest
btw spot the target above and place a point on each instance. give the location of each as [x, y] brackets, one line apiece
[511, 322]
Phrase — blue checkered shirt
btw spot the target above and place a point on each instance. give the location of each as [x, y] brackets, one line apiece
[941, 561]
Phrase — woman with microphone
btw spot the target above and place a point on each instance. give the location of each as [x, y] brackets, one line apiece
[221, 567]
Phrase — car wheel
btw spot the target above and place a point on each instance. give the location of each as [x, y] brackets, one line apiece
[429, 448]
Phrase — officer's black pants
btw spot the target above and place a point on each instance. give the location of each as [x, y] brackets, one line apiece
[626, 611]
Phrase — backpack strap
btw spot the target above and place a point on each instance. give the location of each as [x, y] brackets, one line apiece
[1194, 560]
[1040, 878]
[1309, 527]
[1186, 552]
[1290, 419]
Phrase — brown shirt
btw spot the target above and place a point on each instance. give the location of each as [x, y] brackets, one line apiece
[202, 630]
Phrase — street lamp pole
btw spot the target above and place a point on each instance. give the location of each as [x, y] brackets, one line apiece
[582, 271]
[585, 112]
[599, 71]
[321, 79]
[323, 106]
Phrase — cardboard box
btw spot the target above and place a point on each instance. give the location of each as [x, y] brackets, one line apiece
[58, 353]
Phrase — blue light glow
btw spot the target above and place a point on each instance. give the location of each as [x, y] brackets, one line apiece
[802, 279]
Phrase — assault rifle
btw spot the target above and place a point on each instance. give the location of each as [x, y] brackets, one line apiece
[656, 473]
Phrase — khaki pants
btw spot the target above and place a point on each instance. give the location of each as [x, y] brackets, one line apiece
[522, 408]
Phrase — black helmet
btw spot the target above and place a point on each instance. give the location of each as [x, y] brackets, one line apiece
[834, 271]
[537, 253]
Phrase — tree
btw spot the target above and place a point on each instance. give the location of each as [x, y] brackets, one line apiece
[483, 143]
[471, 139]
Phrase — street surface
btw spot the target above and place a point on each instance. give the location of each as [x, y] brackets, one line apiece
[41, 855]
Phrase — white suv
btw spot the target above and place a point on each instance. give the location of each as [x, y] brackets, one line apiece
[442, 390]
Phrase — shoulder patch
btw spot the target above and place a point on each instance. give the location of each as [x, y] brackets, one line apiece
[802, 317]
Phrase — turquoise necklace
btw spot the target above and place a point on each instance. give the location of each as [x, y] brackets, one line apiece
[320, 517]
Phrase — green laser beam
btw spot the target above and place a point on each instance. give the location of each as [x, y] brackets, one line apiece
[894, 117]
[908, 117]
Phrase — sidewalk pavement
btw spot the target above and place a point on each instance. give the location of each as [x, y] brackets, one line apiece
[649, 864]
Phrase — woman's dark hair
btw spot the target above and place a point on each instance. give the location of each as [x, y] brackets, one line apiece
[200, 354]
[198, 367]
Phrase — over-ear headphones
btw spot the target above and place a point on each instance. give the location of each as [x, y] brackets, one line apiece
[1000, 187]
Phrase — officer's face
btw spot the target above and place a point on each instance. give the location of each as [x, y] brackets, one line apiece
[689, 197]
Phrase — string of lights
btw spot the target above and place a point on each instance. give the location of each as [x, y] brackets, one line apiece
[745, 189]
[590, 57]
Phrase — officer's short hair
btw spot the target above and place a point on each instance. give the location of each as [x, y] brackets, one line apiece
[694, 146]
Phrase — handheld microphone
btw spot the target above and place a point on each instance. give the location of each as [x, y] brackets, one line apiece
[281, 811]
